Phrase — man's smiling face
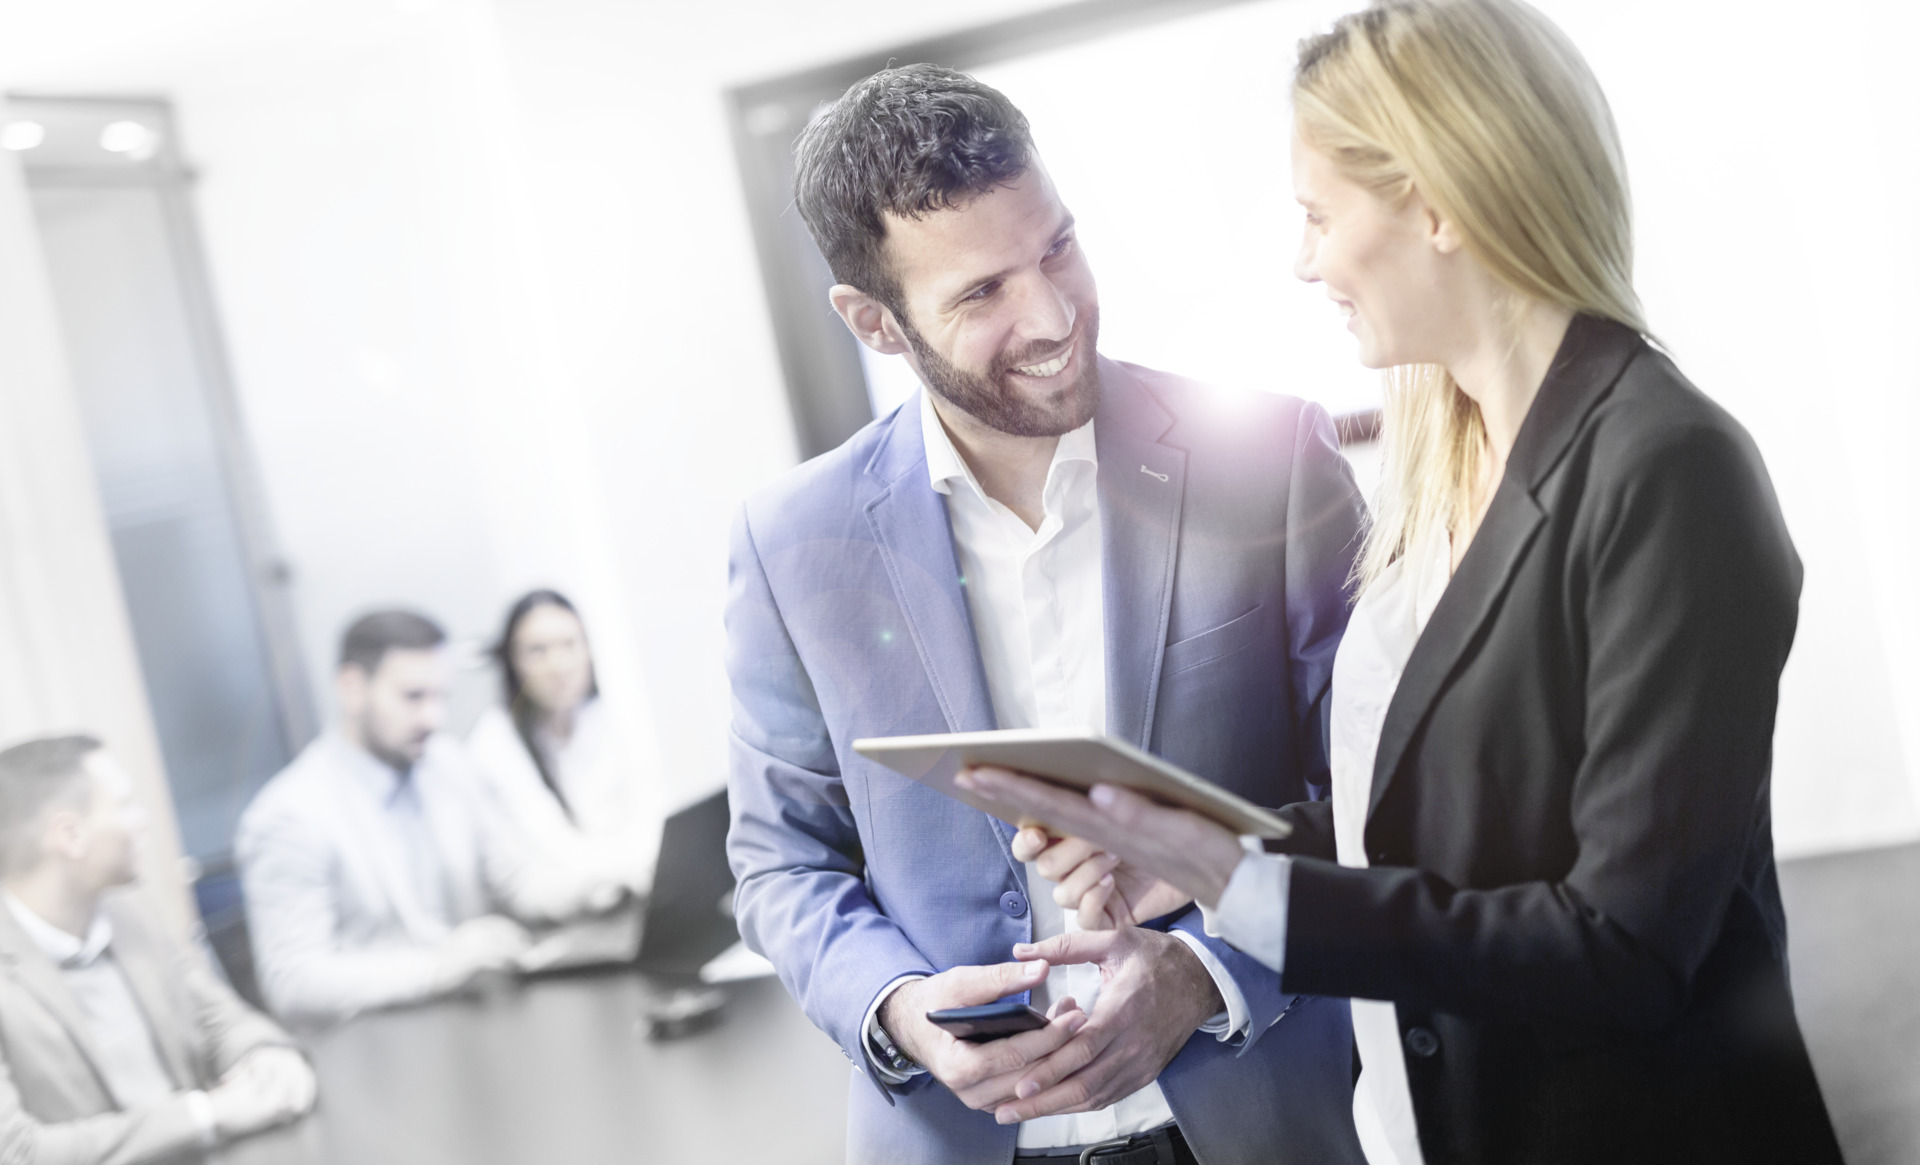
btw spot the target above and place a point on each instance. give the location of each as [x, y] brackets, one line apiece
[1001, 313]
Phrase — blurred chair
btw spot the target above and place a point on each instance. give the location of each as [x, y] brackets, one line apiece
[223, 913]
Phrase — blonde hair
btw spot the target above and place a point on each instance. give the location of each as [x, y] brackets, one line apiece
[1486, 109]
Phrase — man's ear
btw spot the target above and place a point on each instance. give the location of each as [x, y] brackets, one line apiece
[870, 321]
[350, 688]
[64, 834]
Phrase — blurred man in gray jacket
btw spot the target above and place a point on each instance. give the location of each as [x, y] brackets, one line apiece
[117, 1045]
[375, 870]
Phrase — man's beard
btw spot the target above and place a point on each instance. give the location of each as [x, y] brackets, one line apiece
[396, 758]
[990, 400]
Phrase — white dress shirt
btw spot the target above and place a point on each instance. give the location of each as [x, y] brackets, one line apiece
[129, 1062]
[1252, 912]
[1037, 606]
[609, 829]
[355, 875]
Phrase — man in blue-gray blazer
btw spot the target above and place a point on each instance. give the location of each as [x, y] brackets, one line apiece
[1042, 538]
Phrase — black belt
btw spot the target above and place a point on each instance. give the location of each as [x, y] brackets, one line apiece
[1161, 1146]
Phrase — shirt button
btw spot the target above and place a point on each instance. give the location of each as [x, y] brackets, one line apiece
[1422, 1042]
[1014, 903]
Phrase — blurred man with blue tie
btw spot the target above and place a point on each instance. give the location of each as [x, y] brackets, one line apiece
[375, 870]
[1041, 538]
[118, 1045]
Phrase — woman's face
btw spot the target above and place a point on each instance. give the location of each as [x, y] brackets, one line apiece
[549, 652]
[1389, 267]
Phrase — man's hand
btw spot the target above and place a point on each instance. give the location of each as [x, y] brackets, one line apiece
[269, 1086]
[1154, 994]
[490, 943]
[981, 1075]
[1105, 892]
[282, 1074]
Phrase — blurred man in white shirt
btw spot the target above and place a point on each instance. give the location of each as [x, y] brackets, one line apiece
[375, 871]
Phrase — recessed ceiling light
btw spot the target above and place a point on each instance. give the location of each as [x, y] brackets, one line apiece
[22, 135]
[131, 138]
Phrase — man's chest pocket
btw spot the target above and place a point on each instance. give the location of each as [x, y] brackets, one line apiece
[1229, 638]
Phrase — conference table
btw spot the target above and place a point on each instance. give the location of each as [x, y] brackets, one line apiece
[561, 1069]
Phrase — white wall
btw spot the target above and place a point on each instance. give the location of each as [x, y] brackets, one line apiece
[491, 299]
[662, 317]
[496, 317]
[1774, 150]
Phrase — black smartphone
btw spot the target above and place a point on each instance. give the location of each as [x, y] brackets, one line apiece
[989, 1021]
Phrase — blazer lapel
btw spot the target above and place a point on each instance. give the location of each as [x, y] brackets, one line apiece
[144, 969]
[1142, 483]
[1470, 598]
[1589, 361]
[915, 537]
[30, 966]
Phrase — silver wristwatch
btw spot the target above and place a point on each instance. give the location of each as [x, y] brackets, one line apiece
[890, 1053]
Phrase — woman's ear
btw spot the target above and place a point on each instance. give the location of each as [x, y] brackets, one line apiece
[870, 321]
[1441, 233]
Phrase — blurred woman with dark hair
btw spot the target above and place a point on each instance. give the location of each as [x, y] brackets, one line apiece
[555, 758]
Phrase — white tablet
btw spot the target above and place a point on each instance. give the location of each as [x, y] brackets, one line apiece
[1077, 759]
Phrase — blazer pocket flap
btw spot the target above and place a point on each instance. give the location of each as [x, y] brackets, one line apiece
[1212, 644]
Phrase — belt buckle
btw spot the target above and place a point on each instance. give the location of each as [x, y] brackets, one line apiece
[1088, 1154]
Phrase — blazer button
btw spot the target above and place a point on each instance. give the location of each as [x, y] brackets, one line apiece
[1422, 1042]
[1014, 903]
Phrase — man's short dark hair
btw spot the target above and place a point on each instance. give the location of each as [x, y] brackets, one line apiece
[37, 776]
[908, 141]
[372, 635]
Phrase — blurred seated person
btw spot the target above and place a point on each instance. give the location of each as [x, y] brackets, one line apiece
[554, 756]
[375, 869]
[117, 1044]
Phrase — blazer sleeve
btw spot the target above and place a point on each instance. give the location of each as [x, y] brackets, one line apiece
[286, 871]
[228, 1027]
[801, 898]
[1312, 836]
[163, 1130]
[1690, 590]
[1325, 514]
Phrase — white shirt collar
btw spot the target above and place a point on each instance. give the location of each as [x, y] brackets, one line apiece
[375, 777]
[64, 949]
[945, 465]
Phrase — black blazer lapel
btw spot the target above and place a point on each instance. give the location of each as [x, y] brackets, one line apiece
[1472, 596]
[1142, 484]
[1589, 361]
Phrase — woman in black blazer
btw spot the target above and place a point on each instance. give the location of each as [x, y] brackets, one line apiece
[1551, 859]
